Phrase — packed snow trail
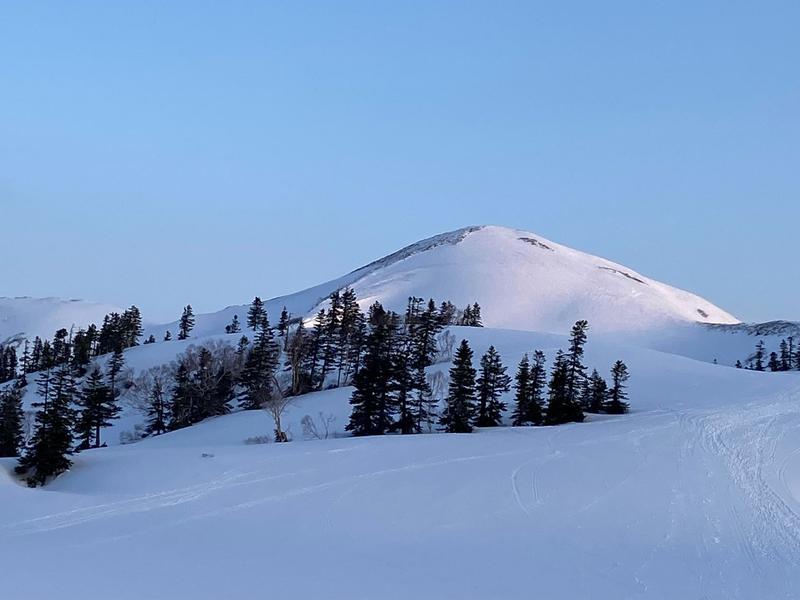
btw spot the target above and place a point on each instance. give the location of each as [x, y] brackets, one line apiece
[687, 503]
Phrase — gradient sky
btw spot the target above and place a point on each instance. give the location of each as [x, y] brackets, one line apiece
[163, 153]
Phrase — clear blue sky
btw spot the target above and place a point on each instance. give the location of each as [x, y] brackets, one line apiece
[163, 153]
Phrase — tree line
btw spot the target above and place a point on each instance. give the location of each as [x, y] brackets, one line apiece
[77, 398]
[787, 358]
[392, 394]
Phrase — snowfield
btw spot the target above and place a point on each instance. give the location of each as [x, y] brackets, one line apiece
[696, 494]
[24, 317]
[521, 280]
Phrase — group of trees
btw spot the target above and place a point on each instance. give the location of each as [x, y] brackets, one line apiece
[383, 354]
[787, 358]
[474, 397]
[76, 348]
[392, 393]
[70, 417]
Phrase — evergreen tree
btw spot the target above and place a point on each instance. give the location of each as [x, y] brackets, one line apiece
[11, 420]
[295, 359]
[25, 363]
[183, 409]
[491, 385]
[234, 326]
[131, 327]
[48, 454]
[371, 398]
[402, 382]
[315, 342]
[522, 388]
[256, 314]
[186, 323]
[98, 407]
[158, 409]
[774, 363]
[617, 396]
[561, 406]
[330, 338]
[113, 369]
[738, 364]
[785, 356]
[461, 393]
[477, 320]
[529, 384]
[259, 369]
[597, 393]
[447, 313]
[576, 371]
[283, 323]
[758, 357]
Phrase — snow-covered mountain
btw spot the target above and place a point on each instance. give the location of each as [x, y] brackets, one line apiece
[521, 280]
[698, 487]
[28, 317]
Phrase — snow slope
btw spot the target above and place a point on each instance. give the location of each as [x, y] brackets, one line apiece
[28, 317]
[521, 280]
[696, 494]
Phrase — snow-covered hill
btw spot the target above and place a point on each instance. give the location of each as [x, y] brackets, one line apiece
[695, 494]
[521, 280]
[28, 317]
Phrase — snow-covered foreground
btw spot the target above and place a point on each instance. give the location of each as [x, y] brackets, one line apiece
[694, 495]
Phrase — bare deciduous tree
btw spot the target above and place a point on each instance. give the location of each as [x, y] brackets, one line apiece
[445, 346]
[319, 428]
[275, 402]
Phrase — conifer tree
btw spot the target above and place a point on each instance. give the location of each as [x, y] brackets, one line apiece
[522, 393]
[183, 409]
[283, 323]
[48, 454]
[460, 404]
[315, 343]
[576, 371]
[774, 363]
[371, 398]
[491, 385]
[113, 369]
[402, 383]
[130, 327]
[758, 357]
[295, 359]
[561, 407]
[186, 323]
[738, 364]
[447, 313]
[259, 369]
[234, 326]
[617, 396]
[11, 420]
[98, 407]
[597, 393]
[785, 356]
[158, 409]
[329, 342]
[256, 314]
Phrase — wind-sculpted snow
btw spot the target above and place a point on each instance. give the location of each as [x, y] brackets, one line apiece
[695, 494]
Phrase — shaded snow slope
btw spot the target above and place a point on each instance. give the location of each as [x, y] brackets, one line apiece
[28, 317]
[696, 494]
[521, 280]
